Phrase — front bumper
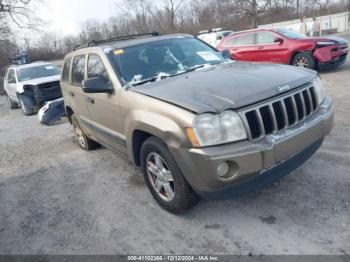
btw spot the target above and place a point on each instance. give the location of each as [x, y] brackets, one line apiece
[330, 57]
[254, 164]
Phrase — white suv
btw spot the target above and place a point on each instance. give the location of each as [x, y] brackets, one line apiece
[30, 86]
[213, 36]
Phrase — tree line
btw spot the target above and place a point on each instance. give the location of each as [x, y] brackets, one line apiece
[141, 16]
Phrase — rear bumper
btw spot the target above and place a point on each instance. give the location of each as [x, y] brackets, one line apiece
[254, 164]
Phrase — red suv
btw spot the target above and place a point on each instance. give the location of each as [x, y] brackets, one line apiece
[282, 45]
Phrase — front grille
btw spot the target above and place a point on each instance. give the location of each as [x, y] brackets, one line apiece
[278, 115]
[47, 92]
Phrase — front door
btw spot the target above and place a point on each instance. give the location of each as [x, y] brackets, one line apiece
[268, 50]
[104, 107]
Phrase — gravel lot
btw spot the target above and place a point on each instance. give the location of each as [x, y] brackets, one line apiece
[58, 199]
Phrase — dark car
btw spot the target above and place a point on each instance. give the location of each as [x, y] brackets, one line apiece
[285, 46]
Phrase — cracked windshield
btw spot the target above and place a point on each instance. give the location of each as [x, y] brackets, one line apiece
[154, 61]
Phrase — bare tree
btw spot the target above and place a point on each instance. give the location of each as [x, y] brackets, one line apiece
[253, 9]
[171, 8]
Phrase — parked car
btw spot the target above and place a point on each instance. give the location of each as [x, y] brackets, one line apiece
[196, 123]
[286, 46]
[213, 36]
[30, 86]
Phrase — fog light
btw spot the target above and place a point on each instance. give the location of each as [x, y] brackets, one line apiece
[222, 169]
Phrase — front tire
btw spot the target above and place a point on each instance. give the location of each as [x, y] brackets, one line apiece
[25, 109]
[11, 104]
[84, 142]
[305, 60]
[164, 178]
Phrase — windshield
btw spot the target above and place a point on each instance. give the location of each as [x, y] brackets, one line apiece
[29, 73]
[160, 59]
[290, 33]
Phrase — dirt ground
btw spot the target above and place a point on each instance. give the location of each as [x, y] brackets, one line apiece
[58, 199]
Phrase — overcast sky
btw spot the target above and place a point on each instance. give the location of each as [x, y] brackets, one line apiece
[66, 15]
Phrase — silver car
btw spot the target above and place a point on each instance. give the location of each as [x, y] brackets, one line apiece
[30, 86]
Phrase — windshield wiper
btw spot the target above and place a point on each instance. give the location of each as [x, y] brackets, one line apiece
[152, 79]
[155, 78]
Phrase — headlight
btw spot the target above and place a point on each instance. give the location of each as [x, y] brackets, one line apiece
[212, 129]
[325, 43]
[319, 89]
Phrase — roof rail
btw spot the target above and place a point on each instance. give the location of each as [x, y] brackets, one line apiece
[113, 39]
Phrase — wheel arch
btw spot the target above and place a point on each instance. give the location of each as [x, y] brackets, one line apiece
[142, 125]
[69, 112]
[295, 52]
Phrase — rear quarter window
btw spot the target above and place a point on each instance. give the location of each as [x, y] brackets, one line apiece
[66, 67]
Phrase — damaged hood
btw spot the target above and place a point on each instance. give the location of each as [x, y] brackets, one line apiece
[42, 80]
[233, 85]
[336, 39]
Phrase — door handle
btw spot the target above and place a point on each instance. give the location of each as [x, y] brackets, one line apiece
[260, 47]
[91, 100]
[71, 93]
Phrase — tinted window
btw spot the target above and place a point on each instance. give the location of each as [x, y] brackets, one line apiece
[266, 38]
[247, 39]
[78, 70]
[290, 33]
[95, 67]
[29, 73]
[241, 40]
[65, 73]
[11, 77]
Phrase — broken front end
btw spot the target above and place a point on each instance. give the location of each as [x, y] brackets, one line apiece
[331, 56]
[34, 96]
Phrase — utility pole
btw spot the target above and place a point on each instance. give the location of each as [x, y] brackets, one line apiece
[298, 5]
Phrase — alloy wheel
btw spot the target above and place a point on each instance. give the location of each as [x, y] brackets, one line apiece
[160, 177]
[302, 62]
[80, 135]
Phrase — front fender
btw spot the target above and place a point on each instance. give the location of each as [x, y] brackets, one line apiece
[157, 125]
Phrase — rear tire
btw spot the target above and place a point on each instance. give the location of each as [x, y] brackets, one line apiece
[305, 60]
[84, 142]
[11, 104]
[164, 180]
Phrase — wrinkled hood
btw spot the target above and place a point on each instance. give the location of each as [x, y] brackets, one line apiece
[225, 86]
[42, 80]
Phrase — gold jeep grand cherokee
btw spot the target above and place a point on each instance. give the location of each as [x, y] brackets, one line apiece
[196, 122]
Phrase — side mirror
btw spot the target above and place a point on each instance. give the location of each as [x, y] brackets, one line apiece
[226, 54]
[97, 85]
[279, 40]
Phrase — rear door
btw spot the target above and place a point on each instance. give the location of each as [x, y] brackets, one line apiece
[104, 108]
[268, 50]
[243, 46]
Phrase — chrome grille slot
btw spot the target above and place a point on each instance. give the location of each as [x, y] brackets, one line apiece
[290, 111]
[267, 119]
[253, 123]
[280, 114]
[281, 121]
